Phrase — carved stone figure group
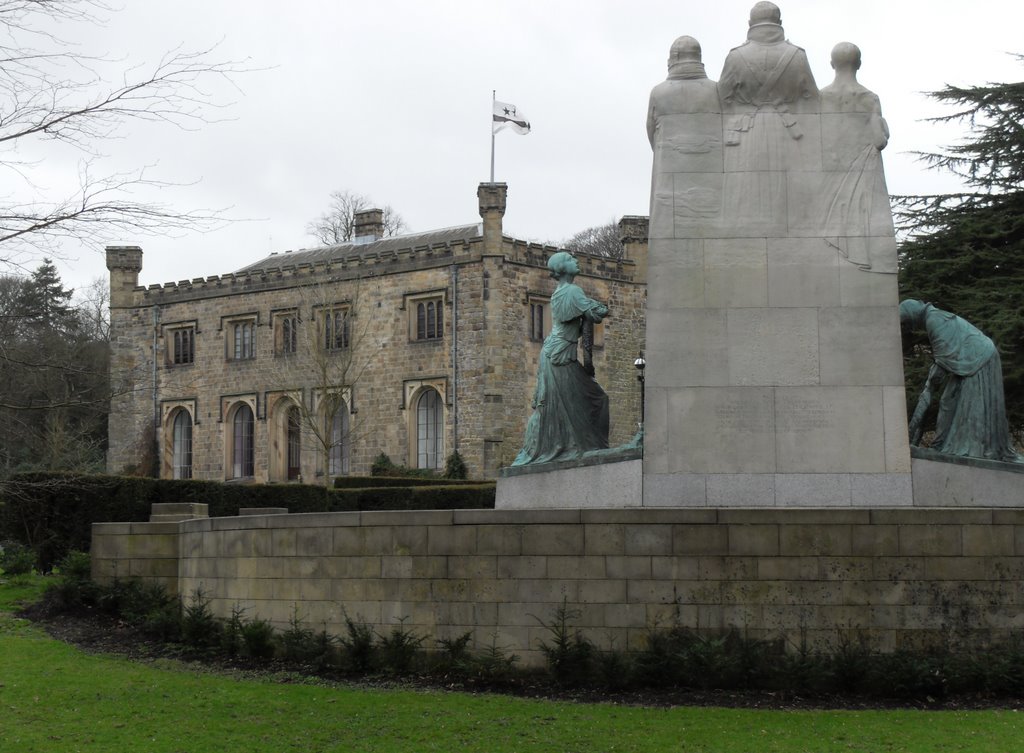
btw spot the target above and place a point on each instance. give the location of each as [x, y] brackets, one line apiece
[766, 116]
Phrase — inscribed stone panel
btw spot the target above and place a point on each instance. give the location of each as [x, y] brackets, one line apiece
[687, 347]
[680, 279]
[735, 272]
[829, 429]
[860, 346]
[773, 346]
[802, 272]
[722, 430]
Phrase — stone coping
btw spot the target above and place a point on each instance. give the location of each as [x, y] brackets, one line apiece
[977, 516]
[594, 457]
[924, 453]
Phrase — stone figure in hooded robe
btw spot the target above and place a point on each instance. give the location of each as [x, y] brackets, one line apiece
[684, 126]
[769, 99]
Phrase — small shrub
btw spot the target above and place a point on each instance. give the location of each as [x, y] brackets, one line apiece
[298, 642]
[454, 653]
[660, 664]
[848, 665]
[232, 642]
[73, 587]
[756, 659]
[326, 650]
[802, 671]
[258, 639]
[381, 465]
[455, 466]
[199, 628]
[359, 652]
[709, 663]
[569, 655]
[493, 664]
[147, 606]
[614, 669]
[16, 558]
[76, 565]
[910, 674]
[164, 621]
[400, 648]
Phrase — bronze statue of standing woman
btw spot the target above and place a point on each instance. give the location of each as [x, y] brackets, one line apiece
[570, 410]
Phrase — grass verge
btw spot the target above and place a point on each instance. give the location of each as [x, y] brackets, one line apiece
[54, 697]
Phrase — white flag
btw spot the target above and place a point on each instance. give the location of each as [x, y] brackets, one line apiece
[509, 116]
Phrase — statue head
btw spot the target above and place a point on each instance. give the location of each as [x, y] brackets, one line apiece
[846, 55]
[765, 13]
[912, 313]
[563, 264]
[684, 49]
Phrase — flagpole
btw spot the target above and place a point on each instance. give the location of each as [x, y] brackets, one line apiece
[493, 99]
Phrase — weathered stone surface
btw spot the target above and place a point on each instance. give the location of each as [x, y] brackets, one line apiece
[775, 277]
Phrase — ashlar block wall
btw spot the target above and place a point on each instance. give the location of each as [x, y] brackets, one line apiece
[898, 577]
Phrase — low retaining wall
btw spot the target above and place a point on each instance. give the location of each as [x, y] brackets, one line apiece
[901, 577]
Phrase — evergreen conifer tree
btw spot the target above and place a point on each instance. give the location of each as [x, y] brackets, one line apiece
[965, 251]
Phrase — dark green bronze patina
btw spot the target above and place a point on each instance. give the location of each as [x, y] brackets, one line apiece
[570, 410]
[972, 408]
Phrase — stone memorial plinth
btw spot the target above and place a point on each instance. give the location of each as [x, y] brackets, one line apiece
[774, 363]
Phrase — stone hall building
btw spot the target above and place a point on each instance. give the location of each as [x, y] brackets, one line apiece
[316, 361]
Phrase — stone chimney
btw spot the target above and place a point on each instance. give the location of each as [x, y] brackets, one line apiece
[368, 226]
[492, 198]
[124, 263]
[633, 231]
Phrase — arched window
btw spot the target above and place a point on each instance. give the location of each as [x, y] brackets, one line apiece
[429, 430]
[339, 454]
[294, 444]
[242, 456]
[181, 445]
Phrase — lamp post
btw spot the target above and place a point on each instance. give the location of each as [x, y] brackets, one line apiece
[640, 364]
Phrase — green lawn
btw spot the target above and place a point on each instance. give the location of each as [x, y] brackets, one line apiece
[55, 698]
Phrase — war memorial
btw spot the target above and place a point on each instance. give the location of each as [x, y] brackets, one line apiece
[775, 485]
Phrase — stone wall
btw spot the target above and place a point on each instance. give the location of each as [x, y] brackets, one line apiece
[900, 578]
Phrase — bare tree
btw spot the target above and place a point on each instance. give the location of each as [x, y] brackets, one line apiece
[93, 305]
[52, 92]
[337, 224]
[600, 240]
[322, 350]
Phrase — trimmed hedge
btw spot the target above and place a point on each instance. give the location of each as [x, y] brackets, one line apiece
[359, 482]
[53, 513]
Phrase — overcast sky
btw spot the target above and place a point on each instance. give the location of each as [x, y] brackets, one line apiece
[391, 98]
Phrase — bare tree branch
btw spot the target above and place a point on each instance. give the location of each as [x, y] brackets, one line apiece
[50, 91]
[337, 224]
[600, 240]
